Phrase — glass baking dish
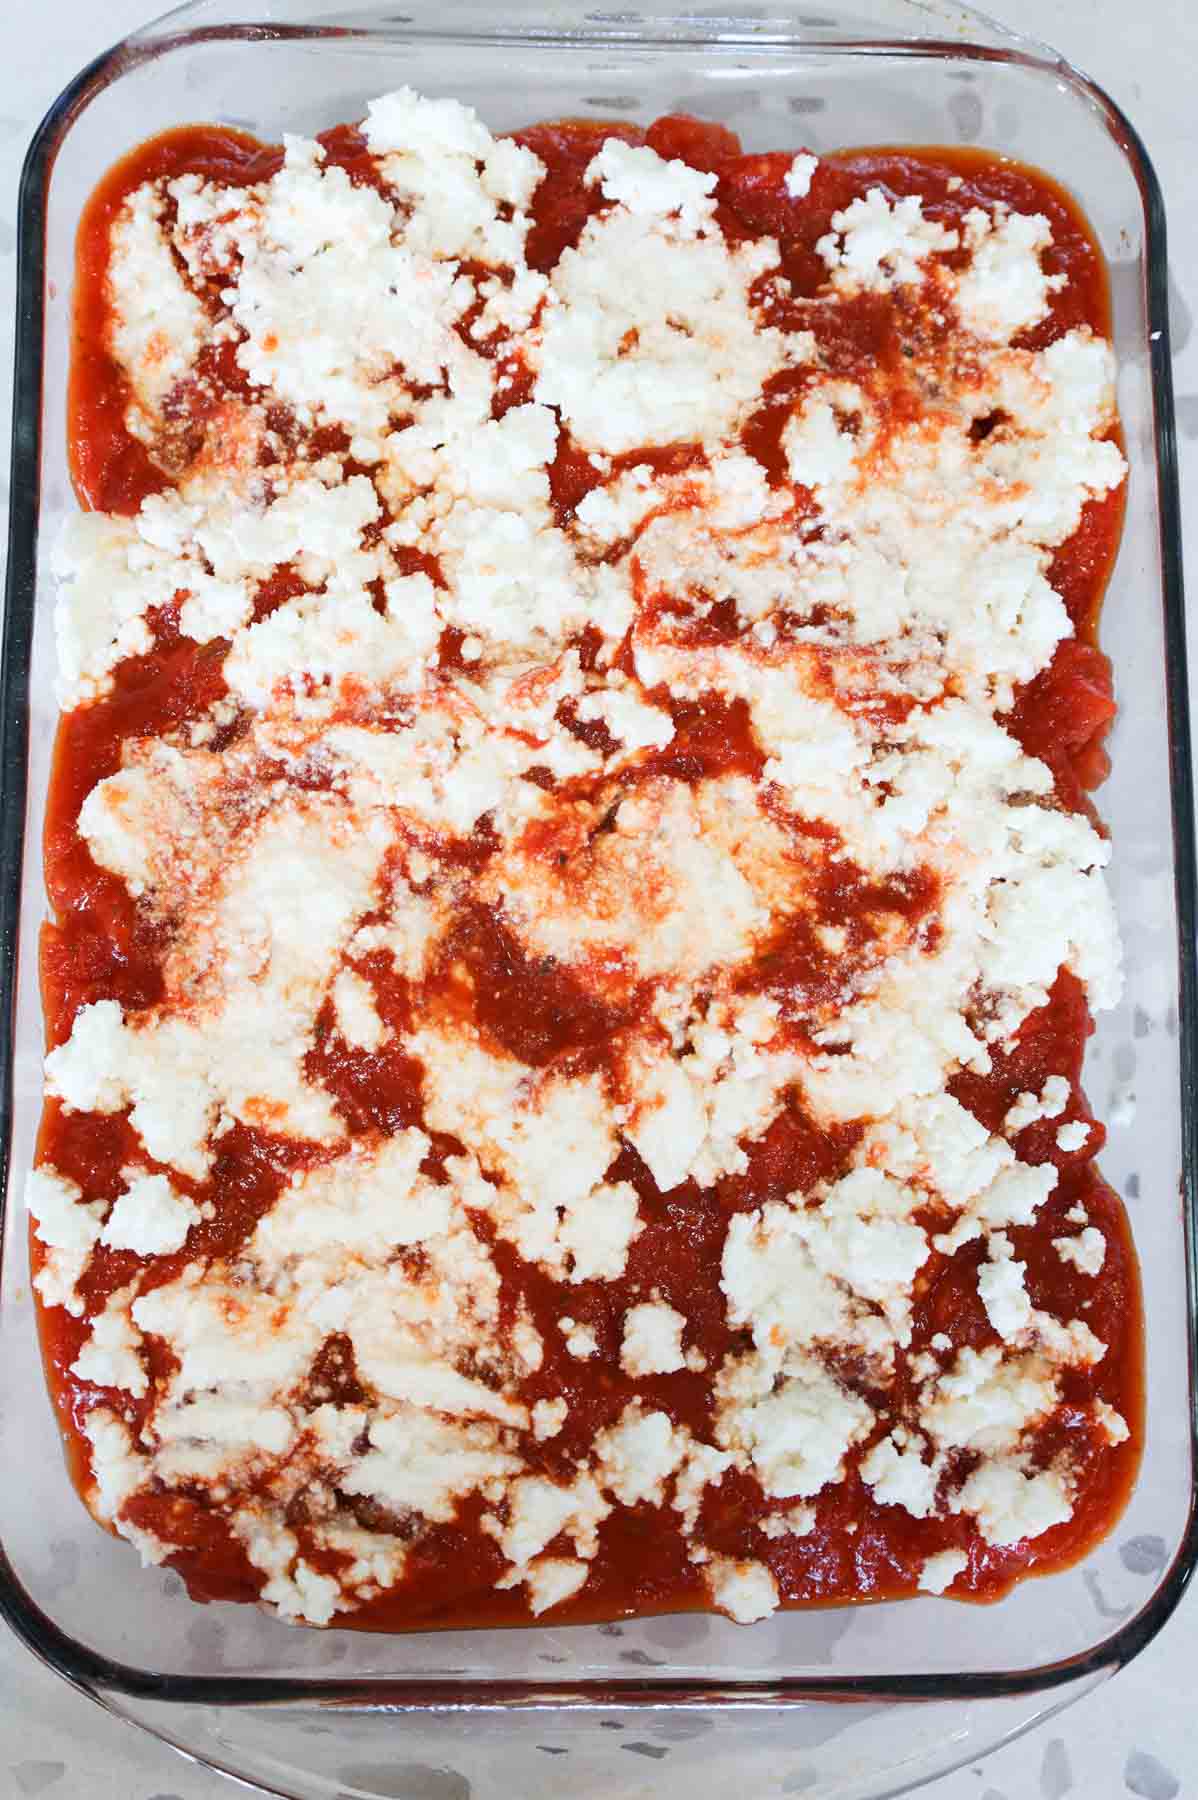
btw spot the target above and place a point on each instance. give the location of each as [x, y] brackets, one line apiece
[439, 1716]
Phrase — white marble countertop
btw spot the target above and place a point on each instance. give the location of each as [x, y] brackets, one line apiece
[1135, 1735]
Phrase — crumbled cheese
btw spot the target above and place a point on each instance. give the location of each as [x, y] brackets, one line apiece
[1113, 1425]
[636, 1457]
[1004, 290]
[876, 246]
[420, 1463]
[746, 1591]
[279, 918]
[796, 1521]
[940, 1571]
[792, 1427]
[377, 1560]
[110, 1355]
[819, 454]
[357, 1015]
[597, 1231]
[552, 1579]
[629, 720]
[656, 887]
[1011, 1505]
[548, 1417]
[157, 324]
[550, 1140]
[836, 1273]
[68, 1226]
[1051, 1102]
[330, 300]
[1072, 1135]
[453, 177]
[1000, 1286]
[652, 339]
[580, 1339]
[117, 1471]
[704, 1466]
[1086, 1251]
[150, 1217]
[797, 180]
[899, 1476]
[643, 182]
[652, 1340]
[539, 1510]
[985, 1403]
[293, 1587]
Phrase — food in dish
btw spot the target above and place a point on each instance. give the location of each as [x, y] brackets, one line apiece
[575, 902]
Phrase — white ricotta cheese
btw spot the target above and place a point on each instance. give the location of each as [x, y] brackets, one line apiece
[1004, 290]
[940, 1571]
[792, 1427]
[647, 185]
[150, 1217]
[797, 180]
[636, 1457]
[68, 1227]
[157, 324]
[1086, 1251]
[876, 245]
[1051, 1102]
[652, 1340]
[746, 1590]
[1010, 1505]
[110, 1355]
[651, 338]
[357, 1015]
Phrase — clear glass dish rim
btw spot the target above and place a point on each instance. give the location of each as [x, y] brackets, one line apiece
[98, 1676]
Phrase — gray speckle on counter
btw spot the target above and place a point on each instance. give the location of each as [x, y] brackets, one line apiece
[1143, 1555]
[683, 1729]
[1147, 1775]
[37, 1777]
[1187, 414]
[1056, 1774]
[683, 1629]
[965, 110]
[406, 1781]
[1101, 1605]
[655, 1751]
[1181, 316]
[64, 1567]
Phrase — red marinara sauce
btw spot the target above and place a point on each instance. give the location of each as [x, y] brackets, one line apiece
[98, 946]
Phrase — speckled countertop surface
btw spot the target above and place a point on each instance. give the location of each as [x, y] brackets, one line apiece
[1135, 1735]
